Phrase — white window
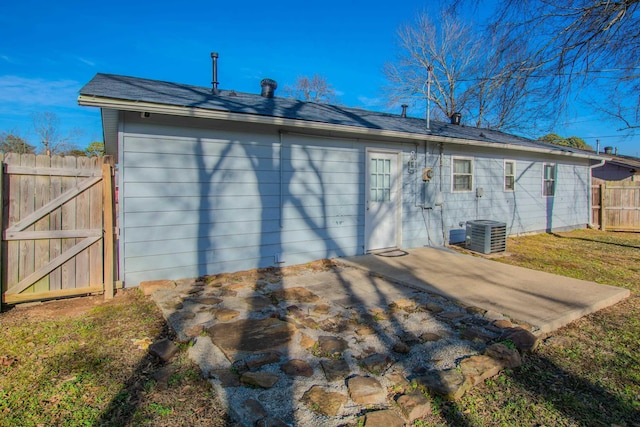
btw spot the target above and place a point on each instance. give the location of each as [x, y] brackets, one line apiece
[509, 175]
[549, 180]
[462, 174]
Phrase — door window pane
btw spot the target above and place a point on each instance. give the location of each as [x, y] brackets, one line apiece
[380, 180]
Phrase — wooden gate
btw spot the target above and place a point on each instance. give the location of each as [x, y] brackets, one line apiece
[55, 213]
[616, 205]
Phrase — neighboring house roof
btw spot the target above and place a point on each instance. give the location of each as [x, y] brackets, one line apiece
[624, 161]
[135, 94]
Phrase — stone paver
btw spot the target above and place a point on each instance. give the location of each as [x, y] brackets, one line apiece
[331, 347]
[335, 369]
[163, 349]
[297, 368]
[259, 379]
[249, 336]
[366, 391]
[450, 383]
[385, 417]
[323, 401]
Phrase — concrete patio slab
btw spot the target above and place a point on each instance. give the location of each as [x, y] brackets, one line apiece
[543, 300]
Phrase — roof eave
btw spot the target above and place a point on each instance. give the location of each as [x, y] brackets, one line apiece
[187, 111]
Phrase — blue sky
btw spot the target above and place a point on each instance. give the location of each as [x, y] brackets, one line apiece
[49, 50]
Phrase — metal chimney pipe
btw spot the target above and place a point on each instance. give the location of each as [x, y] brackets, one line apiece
[269, 87]
[214, 83]
[404, 110]
[455, 118]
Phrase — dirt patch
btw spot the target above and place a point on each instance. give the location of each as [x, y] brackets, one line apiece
[53, 310]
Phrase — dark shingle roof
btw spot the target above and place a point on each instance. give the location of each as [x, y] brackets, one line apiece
[166, 93]
[625, 161]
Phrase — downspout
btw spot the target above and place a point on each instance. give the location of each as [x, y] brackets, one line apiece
[416, 203]
[589, 192]
[440, 197]
[424, 186]
[281, 215]
[427, 222]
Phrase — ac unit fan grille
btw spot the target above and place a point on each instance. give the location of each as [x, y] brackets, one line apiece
[486, 236]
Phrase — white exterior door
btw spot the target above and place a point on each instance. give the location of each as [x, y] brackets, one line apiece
[382, 215]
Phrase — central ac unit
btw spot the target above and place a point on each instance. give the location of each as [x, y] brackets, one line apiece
[486, 236]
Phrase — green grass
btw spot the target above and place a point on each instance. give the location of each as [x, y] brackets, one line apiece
[85, 371]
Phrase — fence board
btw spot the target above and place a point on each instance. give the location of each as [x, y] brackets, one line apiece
[13, 216]
[60, 293]
[26, 259]
[109, 252]
[49, 171]
[3, 249]
[45, 269]
[52, 226]
[71, 193]
[83, 207]
[41, 250]
[55, 221]
[95, 222]
[618, 207]
[69, 223]
[51, 234]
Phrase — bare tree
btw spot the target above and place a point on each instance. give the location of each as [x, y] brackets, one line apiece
[448, 49]
[577, 45]
[472, 72]
[47, 126]
[314, 89]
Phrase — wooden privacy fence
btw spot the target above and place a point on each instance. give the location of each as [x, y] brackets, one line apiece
[616, 205]
[57, 226]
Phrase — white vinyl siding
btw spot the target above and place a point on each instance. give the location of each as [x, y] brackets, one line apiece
[524, 210]
[203, 197]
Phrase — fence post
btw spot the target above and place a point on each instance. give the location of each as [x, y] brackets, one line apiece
[603, 215]
[1, 228]
[107, 194]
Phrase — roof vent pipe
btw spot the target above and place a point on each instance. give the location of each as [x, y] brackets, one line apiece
[268, 87]
[455, 118]
[214, 65]
[608, 150]
[404, 110]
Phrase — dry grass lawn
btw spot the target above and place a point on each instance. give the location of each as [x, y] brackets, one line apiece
[77, 362]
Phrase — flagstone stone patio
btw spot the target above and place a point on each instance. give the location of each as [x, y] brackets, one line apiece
[330, 344]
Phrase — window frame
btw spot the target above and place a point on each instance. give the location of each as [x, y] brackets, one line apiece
[513, 174]
[454, 174]
[554, 179]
